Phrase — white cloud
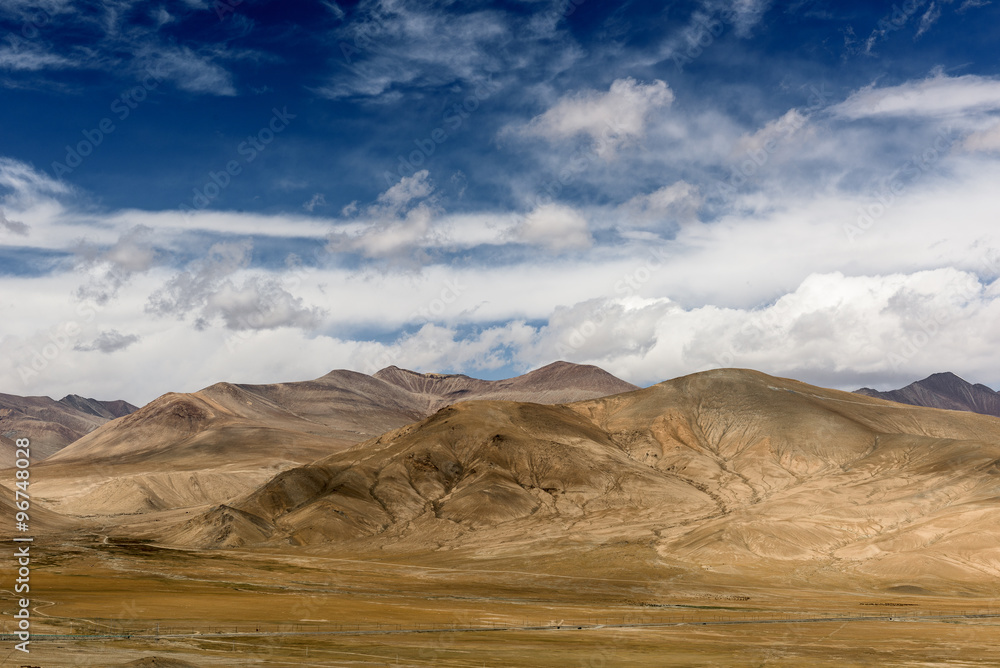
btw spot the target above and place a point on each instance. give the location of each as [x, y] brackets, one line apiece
[766, 138]
[610, 119]
[400, 224]
[935, 96]
[398, 196]
[211, 288]
[555, 227]
[748, 13]
[389, 43]
[677, 203]
[985, 141]
[32, 60]
[318, 199]
[771, 279]
[832, 328]
[26, 185]
[110, 269]
[929, 18]
[972, 4]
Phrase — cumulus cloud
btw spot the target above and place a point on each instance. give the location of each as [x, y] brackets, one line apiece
[258, 303]
[836, 329]
[936, 96]
[210, 288]
[555, 227]
[112, 268]
[832, 329]
[190, 288]
[398, 225]
[610, 119]
[108, 342]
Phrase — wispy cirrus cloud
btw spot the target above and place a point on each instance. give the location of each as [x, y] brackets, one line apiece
[187, 69]
[936, 96]
[386, 46]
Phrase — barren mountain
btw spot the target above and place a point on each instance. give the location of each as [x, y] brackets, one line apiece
[556, 383]
[52, 425]
[215, 444]
[943, 390]
[727, 470]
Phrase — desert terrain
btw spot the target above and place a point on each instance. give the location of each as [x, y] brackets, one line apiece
[565, 518]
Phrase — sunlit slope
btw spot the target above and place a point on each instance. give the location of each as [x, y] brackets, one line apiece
[211, 446]
[727, 469]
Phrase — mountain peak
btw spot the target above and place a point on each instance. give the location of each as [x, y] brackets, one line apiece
[943, 390]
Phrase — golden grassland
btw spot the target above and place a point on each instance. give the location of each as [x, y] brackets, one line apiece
[274, 608]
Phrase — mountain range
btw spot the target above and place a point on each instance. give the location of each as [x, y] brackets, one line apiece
[52, 425]
[207, 446]
[727, 471]
[943, 390]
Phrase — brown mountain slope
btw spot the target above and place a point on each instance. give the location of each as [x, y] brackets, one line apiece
[556, 383]
[52, 425]
[216, 444]
[943, 390]
[725, 470]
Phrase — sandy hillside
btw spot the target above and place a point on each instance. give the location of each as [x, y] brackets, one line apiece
[722, 469]
[217, 444]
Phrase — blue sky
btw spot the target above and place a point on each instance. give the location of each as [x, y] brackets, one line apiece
[260, 191]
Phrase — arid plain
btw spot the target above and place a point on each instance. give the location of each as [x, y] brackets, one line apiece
[562, 518]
